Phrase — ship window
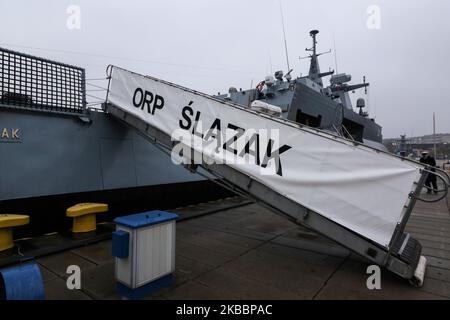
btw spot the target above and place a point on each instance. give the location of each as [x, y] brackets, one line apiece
[308, 120]
[356, 130]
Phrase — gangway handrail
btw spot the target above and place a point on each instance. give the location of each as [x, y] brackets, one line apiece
[445, 191]
[446, 174]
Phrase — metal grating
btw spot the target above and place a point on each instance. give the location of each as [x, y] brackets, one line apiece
[409, 249]
[40, 84]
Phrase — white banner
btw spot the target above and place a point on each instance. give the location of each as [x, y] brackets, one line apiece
[354, 186]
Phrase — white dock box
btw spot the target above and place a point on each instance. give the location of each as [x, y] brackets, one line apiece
[144, 247]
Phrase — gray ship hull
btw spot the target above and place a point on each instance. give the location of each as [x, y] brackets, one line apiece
[54, 161]
[306, 101]
[56, 154]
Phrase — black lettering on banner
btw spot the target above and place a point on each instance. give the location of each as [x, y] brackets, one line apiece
[275, 155]
[254, 140]
[142, 98]
[214, 127]
[191, 119]
[148, 99]
[159, 103]
[194, 128]
[186, 113]
[239, 133]
[215, 133]
[138, 104]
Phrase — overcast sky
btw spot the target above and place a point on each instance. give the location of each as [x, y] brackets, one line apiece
[210, 45]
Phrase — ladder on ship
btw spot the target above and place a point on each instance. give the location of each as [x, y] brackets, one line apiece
[352, 194]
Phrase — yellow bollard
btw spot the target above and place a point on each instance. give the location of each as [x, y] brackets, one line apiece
[84, 216]
[7, 222]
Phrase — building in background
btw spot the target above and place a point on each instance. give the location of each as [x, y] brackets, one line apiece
[413, 147]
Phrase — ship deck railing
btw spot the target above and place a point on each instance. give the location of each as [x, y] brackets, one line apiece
[32, 83]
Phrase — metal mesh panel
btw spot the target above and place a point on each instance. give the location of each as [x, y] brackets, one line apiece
[35, 83]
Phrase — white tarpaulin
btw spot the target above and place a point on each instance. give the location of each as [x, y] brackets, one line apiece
[354, 186]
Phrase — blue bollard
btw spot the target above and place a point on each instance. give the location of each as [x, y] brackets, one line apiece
[22, 282]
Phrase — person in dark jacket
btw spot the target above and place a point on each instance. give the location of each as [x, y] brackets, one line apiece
[431, 181]
[423, 159]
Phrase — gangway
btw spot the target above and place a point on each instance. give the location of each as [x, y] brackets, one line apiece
[355, 195]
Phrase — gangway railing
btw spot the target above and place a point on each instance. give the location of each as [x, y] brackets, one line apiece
[357, 196]
[32, 83]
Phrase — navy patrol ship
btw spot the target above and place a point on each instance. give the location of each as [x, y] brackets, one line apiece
[55, 149]
[305, 100]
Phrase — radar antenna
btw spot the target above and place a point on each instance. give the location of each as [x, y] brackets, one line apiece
[335, 55]
[365, 87]
[284, 36]
[314, 69]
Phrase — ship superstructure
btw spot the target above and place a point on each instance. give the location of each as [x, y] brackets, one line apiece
[305, 100]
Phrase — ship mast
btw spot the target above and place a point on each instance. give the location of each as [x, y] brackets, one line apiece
[314, 69]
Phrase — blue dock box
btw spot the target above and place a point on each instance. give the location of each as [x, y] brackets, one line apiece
[144, 247]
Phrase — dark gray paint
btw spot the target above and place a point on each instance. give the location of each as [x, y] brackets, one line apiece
[62, 154]
[303, 98]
